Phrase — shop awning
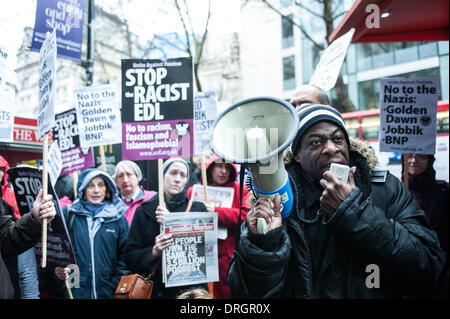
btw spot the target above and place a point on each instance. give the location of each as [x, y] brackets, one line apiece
[401, 21]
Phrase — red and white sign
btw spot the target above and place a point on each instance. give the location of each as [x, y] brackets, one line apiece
[25, 131]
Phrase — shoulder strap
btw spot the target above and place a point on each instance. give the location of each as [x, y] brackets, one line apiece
[241, 188]
[442, 191]
[69, 222]
[379, 195]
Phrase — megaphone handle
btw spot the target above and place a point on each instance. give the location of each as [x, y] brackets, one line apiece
[262, 225]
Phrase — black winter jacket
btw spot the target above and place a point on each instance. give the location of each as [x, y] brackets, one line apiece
[15, 238]
[378, 225]
[141, 238]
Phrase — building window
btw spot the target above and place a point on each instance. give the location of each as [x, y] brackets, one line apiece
[287, 32]
[369, 94]
[288, 73]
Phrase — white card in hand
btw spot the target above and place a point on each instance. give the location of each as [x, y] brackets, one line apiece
[340, 171]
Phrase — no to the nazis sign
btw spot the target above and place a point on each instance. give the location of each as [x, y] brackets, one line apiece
[408, 109]
[98, 116]
[157, 109]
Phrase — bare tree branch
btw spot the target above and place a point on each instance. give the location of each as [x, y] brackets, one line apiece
[297, 2]
[205, 32]
[186, 32]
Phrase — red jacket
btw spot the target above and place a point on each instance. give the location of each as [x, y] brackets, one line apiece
[7, 191]
[227, 217]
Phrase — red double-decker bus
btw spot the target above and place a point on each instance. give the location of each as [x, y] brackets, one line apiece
[365, 125]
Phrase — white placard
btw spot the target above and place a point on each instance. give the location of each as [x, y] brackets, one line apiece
[205, 112]
[4, 54]
[217, 196]
[54, 163]
[7, 111]
[47, 85]
[98, 116]
[329, 66]
[193, 256]
[408, 108]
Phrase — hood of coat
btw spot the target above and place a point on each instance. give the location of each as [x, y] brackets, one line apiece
[4, 163]
[116, 206]
[209, 165]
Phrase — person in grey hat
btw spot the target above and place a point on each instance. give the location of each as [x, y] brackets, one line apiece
[360, 238]
[145, 242]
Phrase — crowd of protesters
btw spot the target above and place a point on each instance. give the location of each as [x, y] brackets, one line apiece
[320, 250]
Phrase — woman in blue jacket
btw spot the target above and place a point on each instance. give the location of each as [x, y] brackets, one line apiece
[98, 231]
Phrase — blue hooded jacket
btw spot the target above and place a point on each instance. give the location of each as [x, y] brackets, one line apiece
[98, 238]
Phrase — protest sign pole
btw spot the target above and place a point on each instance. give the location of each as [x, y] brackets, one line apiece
[44, 190]
[161, 186]
[205, 190]
[405, 170]
[101, 151]
[69, 291]
[161, 183]
[75, 182]
[204, 179]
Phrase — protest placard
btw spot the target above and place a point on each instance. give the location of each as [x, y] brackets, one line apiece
[47, 85]
[7, 112]
[4, 54]
[157, 109]
[27, 182]
[193, 256]
[205, 112]
[65, 133]
[54, 163]
[217, 196]
[66, 17]
[408, 109]
[330, 63]
[98, 116]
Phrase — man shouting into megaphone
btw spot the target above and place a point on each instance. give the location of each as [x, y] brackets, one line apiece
[337, 229]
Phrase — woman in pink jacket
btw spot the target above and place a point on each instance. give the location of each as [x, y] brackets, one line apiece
[224, 175]
[127, 177]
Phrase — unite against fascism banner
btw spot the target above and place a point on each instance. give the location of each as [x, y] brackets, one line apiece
[408, 108]
[65, 133]
[98, 115]
[205, 112]
[157, 109]
[27, 182]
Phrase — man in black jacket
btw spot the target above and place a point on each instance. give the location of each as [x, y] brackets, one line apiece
[365, 238]
[18, 236]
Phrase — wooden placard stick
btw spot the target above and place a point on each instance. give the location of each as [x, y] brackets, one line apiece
[204, 178]
[405, 170]
[45, 191]
[75, 182]
[69, 291]
[101, 151]
[161, 186]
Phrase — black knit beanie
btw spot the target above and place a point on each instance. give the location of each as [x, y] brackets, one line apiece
[311, 114]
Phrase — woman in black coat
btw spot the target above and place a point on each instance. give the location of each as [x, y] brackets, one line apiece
[145, 243]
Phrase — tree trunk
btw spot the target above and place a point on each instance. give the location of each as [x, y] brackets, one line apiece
[345, 103]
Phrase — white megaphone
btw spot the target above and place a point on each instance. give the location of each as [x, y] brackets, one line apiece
[254, 133]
